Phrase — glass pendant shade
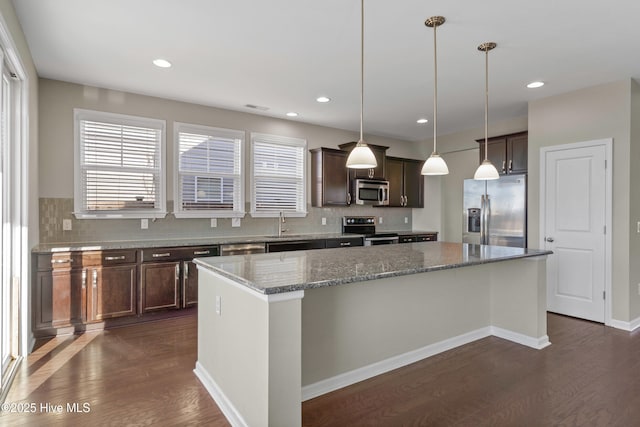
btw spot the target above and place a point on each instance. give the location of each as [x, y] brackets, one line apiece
[486, 171]
[435, 165]
[361, 157]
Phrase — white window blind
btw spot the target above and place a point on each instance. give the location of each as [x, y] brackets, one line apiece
[278, 175]
[209, 172]
[119, 166]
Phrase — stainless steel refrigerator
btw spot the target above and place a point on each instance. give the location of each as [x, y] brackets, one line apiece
[495, 212]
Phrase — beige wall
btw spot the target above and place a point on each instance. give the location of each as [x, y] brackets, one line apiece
[594, 113]
[58, 99]
[634, 204]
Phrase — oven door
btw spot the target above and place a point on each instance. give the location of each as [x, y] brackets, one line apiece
[374, 241]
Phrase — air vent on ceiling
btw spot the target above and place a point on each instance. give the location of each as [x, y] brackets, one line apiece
[256, 107]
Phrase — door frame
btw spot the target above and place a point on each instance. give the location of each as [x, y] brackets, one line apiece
[607, 143]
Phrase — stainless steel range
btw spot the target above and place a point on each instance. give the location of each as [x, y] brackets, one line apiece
[367, 225]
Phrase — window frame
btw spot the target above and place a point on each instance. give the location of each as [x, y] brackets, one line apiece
[285, 141]
[178, 212]
[80, 211]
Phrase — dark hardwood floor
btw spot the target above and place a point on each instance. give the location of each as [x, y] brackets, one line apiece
[142, 375]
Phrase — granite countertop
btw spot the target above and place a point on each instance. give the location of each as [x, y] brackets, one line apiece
[201, 241]
[280, 272]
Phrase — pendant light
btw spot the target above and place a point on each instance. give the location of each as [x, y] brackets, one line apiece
[486, 170]
[361, 157]
[435, 165]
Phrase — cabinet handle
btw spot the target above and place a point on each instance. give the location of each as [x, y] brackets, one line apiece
[61, 261]
[177, 272]
[185, 281]
[504, 163]
[510, 165]
[186, 269]
[114, 258]
[201, 252]
[94, 279]
[166, 254]
[348, 198]
[84, 279]
[345, 243]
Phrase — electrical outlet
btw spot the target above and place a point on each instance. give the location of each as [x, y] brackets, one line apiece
[638, 227]
[235, 222]
[214, 222]
[144, 223]
[379, 220]
[218, 305]
[406, 220]
[66, 225]
[324, 221]
[638, 288]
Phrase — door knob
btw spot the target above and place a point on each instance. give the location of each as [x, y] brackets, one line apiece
[549, 239]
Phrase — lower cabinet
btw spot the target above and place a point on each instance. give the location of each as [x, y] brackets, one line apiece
[425, 237]
[112, 292]
[159, 286]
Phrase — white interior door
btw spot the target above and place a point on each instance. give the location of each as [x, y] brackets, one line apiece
[574, 184]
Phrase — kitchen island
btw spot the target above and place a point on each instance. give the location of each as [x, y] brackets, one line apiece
[276, 329]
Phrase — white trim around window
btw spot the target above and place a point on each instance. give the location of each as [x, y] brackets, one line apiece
[208, 172]
[119, 166]
[278, 176]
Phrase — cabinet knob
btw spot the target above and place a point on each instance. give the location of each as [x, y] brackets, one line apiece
[550, 239]
[504, 164]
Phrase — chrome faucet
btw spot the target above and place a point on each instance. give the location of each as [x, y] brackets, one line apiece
[281, 221]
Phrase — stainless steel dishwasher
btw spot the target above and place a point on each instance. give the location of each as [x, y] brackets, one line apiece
[242, 249]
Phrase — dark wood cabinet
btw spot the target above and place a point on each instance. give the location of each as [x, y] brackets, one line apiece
[508, 153]
[379, 172]
[406, 183]
[344, 242]
[58, 298]
[112, 292]
[330, 178]
[189, 284]
[159, 286]
[301, 245]
[424, 237]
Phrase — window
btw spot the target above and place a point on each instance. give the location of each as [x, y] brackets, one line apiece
[209, 180]
[279, 175]
[119, 166]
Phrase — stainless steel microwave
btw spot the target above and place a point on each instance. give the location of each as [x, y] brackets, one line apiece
[371, 192]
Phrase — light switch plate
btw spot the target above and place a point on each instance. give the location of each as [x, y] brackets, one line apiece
[406, 220]
[379, 220]
[235, 222]
[144, 223]
[214, 222]
[218, 305]
[324, 221]
[66, 225]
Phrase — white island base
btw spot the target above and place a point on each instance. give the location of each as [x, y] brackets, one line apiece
[260, 355]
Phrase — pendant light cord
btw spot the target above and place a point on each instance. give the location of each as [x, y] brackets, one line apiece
[486, 104]
[435, 89]
[361, 69]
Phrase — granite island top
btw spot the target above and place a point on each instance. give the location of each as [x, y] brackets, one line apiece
[280, 272]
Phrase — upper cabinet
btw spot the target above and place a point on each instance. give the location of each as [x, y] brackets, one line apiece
[406, 183]
[379, 172]
[330, 178]
[508, 153]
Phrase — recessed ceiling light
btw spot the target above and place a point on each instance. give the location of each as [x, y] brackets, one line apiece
[162, 63]
[292, 114]
[323, 99]
[534, 85]
[422, 121]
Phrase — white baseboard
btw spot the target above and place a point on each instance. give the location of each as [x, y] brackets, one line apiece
[334, 383]
[537, 343]
[348, 378]
[625, 326]
[225, 405]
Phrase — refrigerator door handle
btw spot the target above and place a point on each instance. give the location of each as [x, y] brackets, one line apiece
[482, 220]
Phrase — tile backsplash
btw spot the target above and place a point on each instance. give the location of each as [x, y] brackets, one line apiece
[54, 210]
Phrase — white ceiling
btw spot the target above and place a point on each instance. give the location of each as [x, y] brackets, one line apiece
[282, 54]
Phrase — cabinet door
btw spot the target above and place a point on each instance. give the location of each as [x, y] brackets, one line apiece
[395, 175]
[407, 239]
[413, 184]
[189, 284]
[159, 286]
[60, 298]
[112, 292]
[497, 153]
[517, 146]
[379, 172]
[330, 186]
[431, 237]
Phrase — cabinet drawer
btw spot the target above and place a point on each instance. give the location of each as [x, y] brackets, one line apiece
[162, 254]
[344, 242]
[407, 239]
[59, 260]
[427, 238]
[106, 258]
[296, 246]
[199, 251]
